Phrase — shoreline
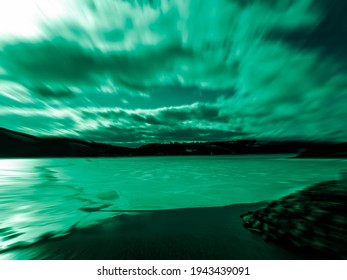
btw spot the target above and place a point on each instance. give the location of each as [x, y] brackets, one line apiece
[180, 234]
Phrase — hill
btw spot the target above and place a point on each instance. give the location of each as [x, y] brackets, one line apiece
[17, 144]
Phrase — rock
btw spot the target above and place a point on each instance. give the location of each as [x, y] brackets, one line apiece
[257, 224]
[255, 230]
[266, 228]
[314, 218]
[302, 227]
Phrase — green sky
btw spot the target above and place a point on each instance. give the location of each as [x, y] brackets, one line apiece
[140, 71]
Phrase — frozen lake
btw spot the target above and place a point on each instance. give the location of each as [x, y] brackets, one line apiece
[41, 196]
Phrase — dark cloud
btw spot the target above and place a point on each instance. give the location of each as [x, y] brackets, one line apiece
[164, 116]
[329, 35]
[177, 95]
[193, 133]
[56, 60]
[67, 62]
[201, 112]
[164, 134]
[169, 124]
[114, 134]
[47, 92]
[147, 119]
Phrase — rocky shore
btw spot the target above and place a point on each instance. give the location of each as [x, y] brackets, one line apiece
[313, 219]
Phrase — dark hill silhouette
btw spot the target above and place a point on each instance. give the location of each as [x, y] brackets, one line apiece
[17, 144]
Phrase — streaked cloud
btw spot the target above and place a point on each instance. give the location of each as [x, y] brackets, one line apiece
[143, 71]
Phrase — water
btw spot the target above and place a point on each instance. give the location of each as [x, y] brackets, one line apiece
[40, 197]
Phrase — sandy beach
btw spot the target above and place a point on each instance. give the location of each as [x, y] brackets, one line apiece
[200, 233]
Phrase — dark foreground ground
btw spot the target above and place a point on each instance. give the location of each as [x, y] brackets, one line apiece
[201, 233]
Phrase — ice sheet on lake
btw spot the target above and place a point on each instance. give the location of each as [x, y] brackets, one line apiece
[49, 197]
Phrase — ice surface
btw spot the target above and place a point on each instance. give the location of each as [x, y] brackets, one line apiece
[48, 197]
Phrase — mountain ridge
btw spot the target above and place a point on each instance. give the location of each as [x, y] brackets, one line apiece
[18, 144]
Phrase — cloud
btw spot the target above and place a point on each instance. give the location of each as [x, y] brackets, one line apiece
[62, 61]
[47, 92]
[134, 135]
[329, 35]
[39, 124]
[182, 123]
[145, 44]
[56, 60]
[165, 69]
[295, 96]
[161, 116]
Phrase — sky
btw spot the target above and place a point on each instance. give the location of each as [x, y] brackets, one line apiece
[131, 72]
